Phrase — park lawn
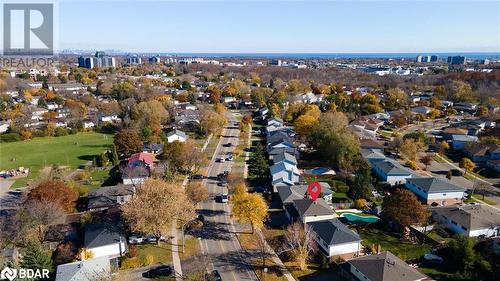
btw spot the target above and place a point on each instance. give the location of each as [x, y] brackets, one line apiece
[72, 151]
[405, 250]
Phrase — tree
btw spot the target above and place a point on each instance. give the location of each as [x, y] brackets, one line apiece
[304, 123]
[114, 155]
[403, 207]
[128, 142]
[211, 122]
[411, 148]
[300, 242]
[196, 192]
[35, 257]
[54, 191]
[426, 160]
[467, 164]
[249, 208]
[154, 207]
[462, 258]
[482, 111]
[395, 99]
[193, 157]
[443, 146]
[396, 144]
[258, 167]
[172, 156]
[40, 214]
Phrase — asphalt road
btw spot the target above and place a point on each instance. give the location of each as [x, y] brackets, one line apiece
[219, 243]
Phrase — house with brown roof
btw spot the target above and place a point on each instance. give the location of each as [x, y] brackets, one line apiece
[482, 152]
[450, 131]
[380, 267]
[469, 220]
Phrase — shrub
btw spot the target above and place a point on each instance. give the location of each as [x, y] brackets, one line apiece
[132, 251]
[360, 203]
[10, 137]
[39, 134]
[412, 165]
[149, 260]
[130, 263]
[60, 131]
[83, 175]
[341, 187]
[26, 135]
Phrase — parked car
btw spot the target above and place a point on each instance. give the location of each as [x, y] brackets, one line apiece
[160, 271]
[224, 198]
[215, 276]
[196, 177]
[222, 160]
[230, 157]
[136, 239]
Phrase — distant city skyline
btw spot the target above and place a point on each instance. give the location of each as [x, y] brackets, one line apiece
[424, 27]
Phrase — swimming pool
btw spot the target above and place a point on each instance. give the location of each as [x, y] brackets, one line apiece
[351, 217]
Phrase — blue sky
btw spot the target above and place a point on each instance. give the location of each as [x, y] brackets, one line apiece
[281, 26]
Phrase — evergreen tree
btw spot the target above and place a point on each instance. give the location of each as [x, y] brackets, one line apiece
[114, 156]
[35, 257]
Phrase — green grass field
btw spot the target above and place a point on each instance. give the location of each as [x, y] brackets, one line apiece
[71, 151]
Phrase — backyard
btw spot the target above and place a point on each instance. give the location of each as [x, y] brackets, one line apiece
[71, 151]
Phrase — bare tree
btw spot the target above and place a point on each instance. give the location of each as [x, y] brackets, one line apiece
[300, 242]
[40, 214]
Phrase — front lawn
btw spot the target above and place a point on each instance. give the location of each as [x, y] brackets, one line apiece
[191, 247]
[405, 250]
[147, 255]
[71, 151]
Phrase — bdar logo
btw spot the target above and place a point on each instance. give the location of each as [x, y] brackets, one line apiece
[8, 273]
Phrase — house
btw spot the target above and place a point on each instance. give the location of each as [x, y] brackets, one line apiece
[109, 197]
[483, 152]
[469, 220]
[262, 113]
[465, 106]
[391, 172]
[153, 148]
[451, 131]
[176, 135]
[373, 155]
[288, 194]
[380, 267]
[134, 174]
[309, 210]
[280, 144]
[141, 159]
[279, 150]
[285, 157]
[371, 144]
[275, 121]
[458, 142]
[98, 268]
[435, 192]
[284, 174]
[109, 118]
[494, 164]
[105, 240]
[424, 110]
[335, 239]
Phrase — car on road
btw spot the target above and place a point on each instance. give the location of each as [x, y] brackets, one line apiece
[215, 276]
[159, 271]
[222, 183]
[456, 172]
[224, 197]
[222, 160]
[229, 157]
[229, 144]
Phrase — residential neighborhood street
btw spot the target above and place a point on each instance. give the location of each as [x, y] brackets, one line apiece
[219, 242]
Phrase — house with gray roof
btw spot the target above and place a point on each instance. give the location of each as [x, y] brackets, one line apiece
[284, 173]
[176, 135]
[373, 155]
[154, 148]
[380, 267]
[312, 210]
[458, 142]
[391, 172]
[285, 157]
[435, 192]
[469, 220]
[109, 196]
[335, 239]
[105, 240]
[93, 269]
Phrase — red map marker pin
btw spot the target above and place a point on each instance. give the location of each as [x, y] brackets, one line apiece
[314, 190]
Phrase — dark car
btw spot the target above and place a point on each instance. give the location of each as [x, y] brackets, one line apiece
[159, 271]
[228, 144]
[196, 177]
[215, 276]
[456, 173]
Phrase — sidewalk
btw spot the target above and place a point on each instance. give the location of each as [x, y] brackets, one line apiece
[277, 260]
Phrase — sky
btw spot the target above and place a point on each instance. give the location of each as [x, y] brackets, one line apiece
[234, 26]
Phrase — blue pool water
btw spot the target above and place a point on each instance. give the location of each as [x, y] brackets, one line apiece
[357, 218]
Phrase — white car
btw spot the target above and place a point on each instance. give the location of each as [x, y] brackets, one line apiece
[135, 239]
[224, 198]
[222, 160]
